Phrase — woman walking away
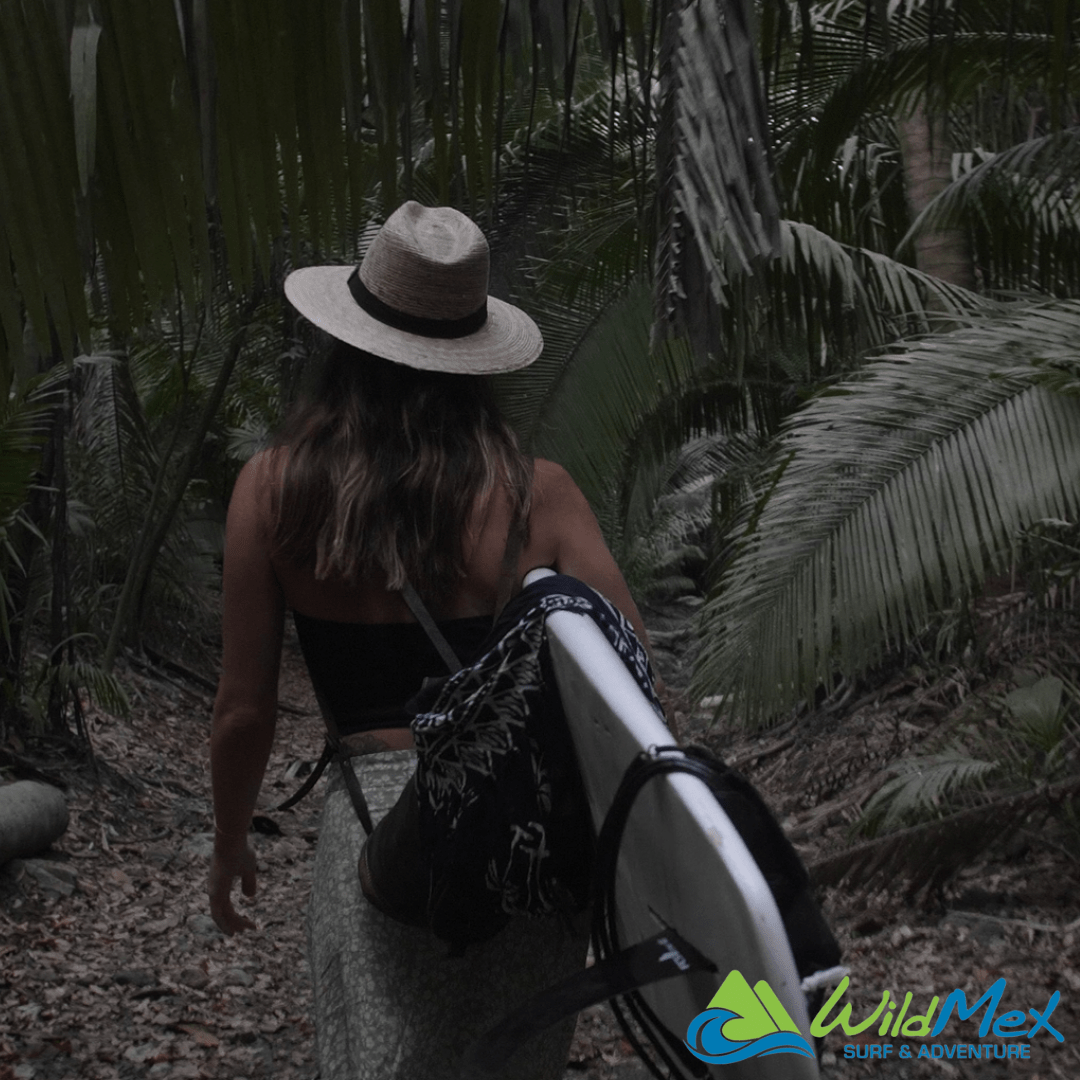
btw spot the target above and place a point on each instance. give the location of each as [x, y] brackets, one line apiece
[399, 471]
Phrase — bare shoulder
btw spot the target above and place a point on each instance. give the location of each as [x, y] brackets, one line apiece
[561, 513]
[553, 486]
[252, 500]
[264, 468]
[261, 474]
[567, 532]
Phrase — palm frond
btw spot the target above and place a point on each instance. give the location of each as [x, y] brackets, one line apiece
[1022, 207]
[104, 689]
[1060, 376]
[25, 422]
[928, 855]
[830, 303]
[592, 400]
[902, 487]
[975, 65]
[922, 787]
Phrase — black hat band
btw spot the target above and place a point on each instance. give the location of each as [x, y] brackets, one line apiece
[415, 324]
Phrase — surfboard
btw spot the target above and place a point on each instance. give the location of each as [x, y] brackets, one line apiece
[683, 865]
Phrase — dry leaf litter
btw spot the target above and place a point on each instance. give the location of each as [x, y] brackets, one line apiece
[110, 966]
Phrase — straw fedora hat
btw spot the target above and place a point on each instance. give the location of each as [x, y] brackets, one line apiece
[420, 298]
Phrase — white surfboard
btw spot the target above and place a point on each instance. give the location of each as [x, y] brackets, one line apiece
[682, 863]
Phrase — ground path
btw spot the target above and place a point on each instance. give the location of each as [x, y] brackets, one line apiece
[111, 968]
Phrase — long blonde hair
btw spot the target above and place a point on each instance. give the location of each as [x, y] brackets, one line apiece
[384, 466]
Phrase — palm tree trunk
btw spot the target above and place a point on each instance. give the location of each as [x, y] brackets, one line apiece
[60, 618]
[927, 156]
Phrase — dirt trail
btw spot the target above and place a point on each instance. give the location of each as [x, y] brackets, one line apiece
[111, 968]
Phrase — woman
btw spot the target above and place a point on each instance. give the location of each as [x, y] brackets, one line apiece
[401, 468]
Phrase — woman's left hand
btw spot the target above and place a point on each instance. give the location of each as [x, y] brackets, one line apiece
[226, 865]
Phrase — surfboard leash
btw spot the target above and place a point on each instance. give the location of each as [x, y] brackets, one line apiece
[664, 1044]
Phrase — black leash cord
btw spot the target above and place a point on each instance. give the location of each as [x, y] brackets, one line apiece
[665, 1045]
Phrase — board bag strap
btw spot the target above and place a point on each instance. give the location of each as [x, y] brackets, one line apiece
[664, 1050]
[312, 778]
[621, 973]
[662, 956]
[812, 943]
[335, 750]
[618, 972]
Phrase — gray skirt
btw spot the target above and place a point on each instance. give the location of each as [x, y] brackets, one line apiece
[390, 1004]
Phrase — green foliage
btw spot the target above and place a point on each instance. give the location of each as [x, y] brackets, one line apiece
[584, 408]
[45, 680]
[706, 329]
[900, 485]
[923, 788]
[1038, 715]
[1024, 748]
[667, 521]
[1050, 559]
[903, 487]
[26, 419]
[1021, 208]
[835, 90]
[190, 144]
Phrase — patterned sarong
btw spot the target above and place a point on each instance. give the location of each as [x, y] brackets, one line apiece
[391, 1003]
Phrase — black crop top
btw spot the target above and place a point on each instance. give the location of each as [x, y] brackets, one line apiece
[365, 672]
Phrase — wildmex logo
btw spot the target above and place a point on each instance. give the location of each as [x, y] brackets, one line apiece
[743, 1022]
[930, 1024]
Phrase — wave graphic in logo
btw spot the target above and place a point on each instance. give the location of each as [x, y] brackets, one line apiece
[743, 1022]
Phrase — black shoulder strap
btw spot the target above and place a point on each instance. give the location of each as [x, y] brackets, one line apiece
[423, 617]
[508, 583]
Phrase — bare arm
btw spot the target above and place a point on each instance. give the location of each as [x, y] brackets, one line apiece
[246, 705]
[580, 550]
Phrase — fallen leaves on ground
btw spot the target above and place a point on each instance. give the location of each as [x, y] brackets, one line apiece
[128, 977]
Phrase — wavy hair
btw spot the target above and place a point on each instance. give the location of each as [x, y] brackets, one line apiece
[384, 466]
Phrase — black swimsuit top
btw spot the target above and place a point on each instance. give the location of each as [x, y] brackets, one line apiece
[365, 672]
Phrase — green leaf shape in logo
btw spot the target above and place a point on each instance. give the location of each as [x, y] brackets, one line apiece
[758, 1011]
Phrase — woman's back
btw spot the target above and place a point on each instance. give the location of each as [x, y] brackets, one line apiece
[562, 533]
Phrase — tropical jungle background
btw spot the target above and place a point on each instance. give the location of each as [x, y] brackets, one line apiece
[808, 275]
